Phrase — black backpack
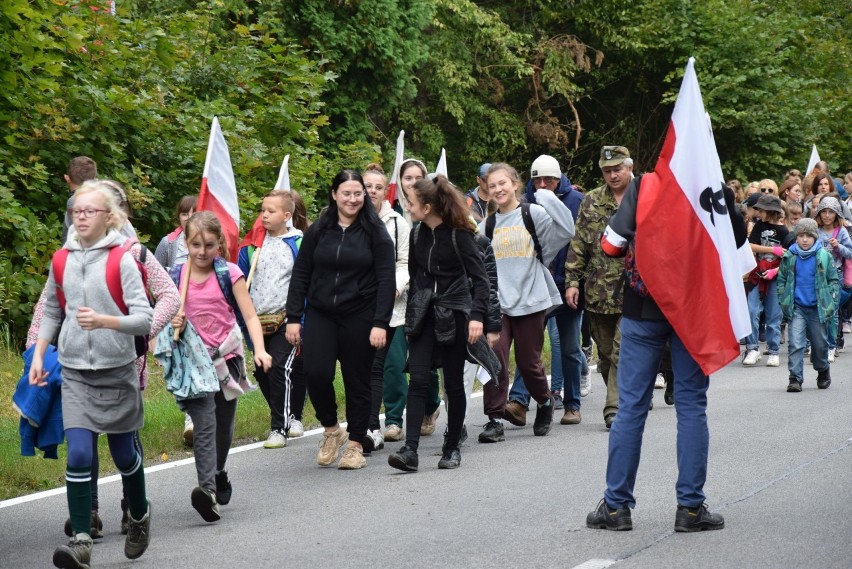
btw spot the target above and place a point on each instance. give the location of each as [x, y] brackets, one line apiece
[491, 222]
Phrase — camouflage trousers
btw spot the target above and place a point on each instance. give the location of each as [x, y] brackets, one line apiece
[606, 332]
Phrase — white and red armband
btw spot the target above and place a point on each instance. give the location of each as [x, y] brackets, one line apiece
[613, 244]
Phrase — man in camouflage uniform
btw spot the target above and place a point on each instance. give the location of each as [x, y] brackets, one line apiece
[586, 263]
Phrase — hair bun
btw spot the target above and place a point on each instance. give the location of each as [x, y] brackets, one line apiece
[374, 167]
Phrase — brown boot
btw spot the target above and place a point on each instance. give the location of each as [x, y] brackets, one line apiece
[515, 413]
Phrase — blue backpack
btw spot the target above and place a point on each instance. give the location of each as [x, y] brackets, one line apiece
[223, 277]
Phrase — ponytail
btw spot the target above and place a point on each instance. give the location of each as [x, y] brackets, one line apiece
[445, 199]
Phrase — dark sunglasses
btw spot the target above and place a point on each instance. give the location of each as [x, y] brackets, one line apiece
[766, 190]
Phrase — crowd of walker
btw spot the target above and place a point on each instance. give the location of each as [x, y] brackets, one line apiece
[432, 283]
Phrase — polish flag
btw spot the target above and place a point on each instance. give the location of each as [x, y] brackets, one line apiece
[218, 188]
[813, 160]
[397, 164]
[686, 251]
[441, 168]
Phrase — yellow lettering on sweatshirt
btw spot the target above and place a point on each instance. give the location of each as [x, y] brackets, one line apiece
[512, 242]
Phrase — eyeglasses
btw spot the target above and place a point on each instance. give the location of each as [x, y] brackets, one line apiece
[546, 180]
[766, 190]
[377, 187]
[85, 213]
[351, 195]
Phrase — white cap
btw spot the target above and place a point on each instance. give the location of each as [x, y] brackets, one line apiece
[545, 165]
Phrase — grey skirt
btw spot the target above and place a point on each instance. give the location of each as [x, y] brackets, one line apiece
[103, 401]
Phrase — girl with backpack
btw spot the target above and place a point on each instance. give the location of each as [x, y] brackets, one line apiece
[100, 388]
[216, 296]
[445, 311]
[526, 238]
[343, 284]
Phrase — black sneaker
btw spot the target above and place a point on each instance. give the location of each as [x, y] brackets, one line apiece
[558, 404]
[223, 488]
[96, 529]
[76, 555]
[139, 536]
[450, 459]
[543, 418]
[697, 519]
[605, 517]
[823, 381]
[404, 459]
[492, 432]
[795, 386]
[204, 502]
[668, 395]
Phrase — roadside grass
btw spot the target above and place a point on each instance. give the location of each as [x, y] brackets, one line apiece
[162, 436]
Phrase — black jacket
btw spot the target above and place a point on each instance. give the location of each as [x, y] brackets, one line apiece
[434, 264]
[493, 318]
[344, 271]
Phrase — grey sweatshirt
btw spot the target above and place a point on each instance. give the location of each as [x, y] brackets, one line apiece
[526, 285]
[85, 286]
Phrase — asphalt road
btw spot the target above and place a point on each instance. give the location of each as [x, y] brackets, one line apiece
[779, 471]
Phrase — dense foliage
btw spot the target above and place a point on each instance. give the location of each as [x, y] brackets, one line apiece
[331, 83]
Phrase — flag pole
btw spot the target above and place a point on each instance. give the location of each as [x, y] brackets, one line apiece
[254, 259]
[184, 287]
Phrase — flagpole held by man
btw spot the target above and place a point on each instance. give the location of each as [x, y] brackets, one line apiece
[685, 249]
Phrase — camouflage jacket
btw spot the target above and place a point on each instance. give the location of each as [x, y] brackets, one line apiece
[586, 260]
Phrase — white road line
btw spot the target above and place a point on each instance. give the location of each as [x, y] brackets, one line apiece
[595, 564]
[156, 468]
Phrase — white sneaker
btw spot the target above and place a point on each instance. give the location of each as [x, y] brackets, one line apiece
[847, 328]
[378, 439]
[660, 383]
[188, 430]
[752, 357]
[276, 439]
[831, 355]
[586, 384]
[297, 429]
[773, 360]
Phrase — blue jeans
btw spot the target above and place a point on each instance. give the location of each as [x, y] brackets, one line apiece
[642, 344]
[772, 310]
[566, 356]
[806, 325]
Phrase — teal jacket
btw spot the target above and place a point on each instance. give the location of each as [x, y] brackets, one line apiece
[826, 284]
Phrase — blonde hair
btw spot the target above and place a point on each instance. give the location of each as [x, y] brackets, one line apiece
[208, 222]
[111, 203]
[287, 201]
[767, 183]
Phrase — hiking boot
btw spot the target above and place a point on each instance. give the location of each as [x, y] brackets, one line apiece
[404, 459]
[204, 502]
[516, 413]
[605, 517]
[297, 429]
[393, 433]
[609, 420]
[352, 459]
[223, 488]
[586, 384]
[277, 439]
[558, 404]
[823, 381]
[125, 516]
[139, 536]
[188, 430]
[543, 419]
[330, 446]
[427, 428]
[96, 529]
[450, 459]
[492, 432]
[697, 519]
[77, 554]
[571, 417]
[751, 358]
[795, 386]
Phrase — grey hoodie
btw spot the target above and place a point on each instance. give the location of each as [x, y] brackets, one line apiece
[85, 286]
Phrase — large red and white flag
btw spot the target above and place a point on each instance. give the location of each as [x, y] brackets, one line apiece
[218, 188]
[397, 164]
[686, 251]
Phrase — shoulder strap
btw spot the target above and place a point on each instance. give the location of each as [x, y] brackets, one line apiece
[113, 274]
[530, 226]
[395, 239]
[458, 253]
[490, 223]
[60, 258]
[415, 231]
